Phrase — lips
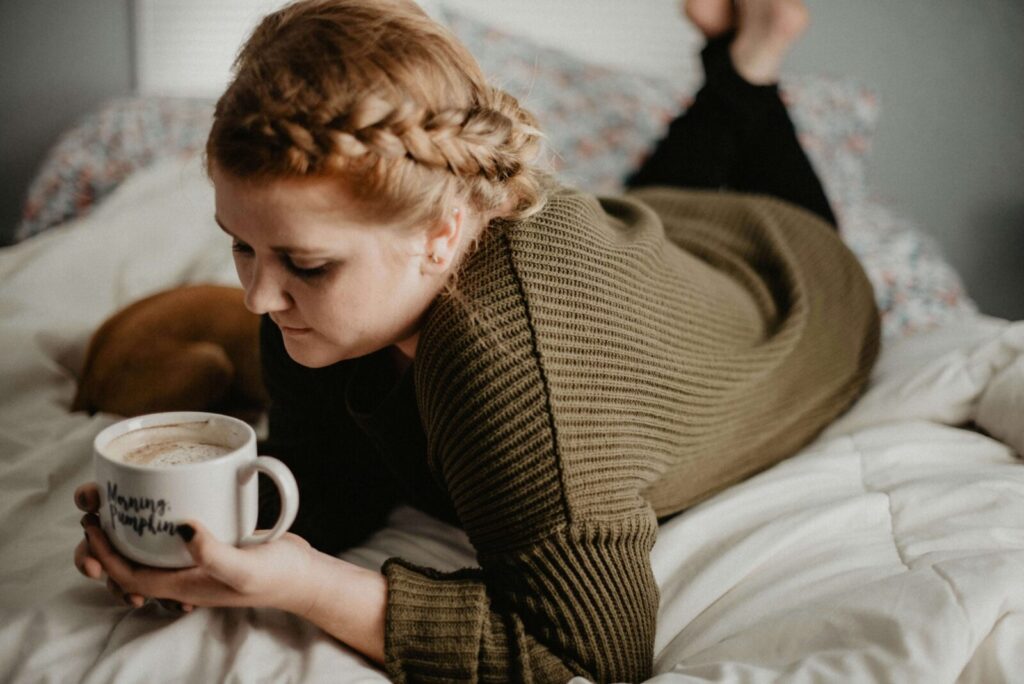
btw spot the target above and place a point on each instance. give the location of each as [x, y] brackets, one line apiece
[288, 328]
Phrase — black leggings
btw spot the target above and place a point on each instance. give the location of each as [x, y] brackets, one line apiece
[735, 136]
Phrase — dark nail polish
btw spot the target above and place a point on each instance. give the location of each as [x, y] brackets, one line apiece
[186, 532]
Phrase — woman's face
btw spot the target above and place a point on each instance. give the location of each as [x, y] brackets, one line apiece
[306, 258]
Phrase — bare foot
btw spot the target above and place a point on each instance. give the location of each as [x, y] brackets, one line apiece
[765, 31]
[711, 17]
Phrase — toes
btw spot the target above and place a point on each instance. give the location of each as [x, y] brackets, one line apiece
[767, 31]
[776, 20]
[711, 17]
[788, 18]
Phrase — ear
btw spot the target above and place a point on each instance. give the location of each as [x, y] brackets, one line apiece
[443, 240]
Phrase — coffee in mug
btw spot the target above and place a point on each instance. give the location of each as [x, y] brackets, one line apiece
[176, 444]
[155, 471]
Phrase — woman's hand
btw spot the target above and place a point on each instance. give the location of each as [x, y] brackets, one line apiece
[270, 574]
[345, 600]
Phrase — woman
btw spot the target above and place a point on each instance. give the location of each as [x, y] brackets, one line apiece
[595, 367]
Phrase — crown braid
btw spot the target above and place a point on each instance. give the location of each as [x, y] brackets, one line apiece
[378, 93]
[466, 142]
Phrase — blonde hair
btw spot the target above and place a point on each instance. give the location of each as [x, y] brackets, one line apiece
[378, 94]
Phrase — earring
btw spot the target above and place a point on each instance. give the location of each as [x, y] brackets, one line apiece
[436, 259]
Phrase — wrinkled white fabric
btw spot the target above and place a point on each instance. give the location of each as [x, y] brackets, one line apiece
[1001, 408]
[890, 549]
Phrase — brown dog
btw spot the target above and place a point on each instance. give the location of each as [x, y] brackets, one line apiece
[192, 348]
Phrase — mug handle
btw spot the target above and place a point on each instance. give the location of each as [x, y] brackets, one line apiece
[289, 495]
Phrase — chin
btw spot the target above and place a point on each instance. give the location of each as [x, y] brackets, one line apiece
[312, 354]
[306, 353]
[312, 361]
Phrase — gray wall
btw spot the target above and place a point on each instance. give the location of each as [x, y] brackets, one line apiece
[948, 154]
[949, 151]
[58, 60]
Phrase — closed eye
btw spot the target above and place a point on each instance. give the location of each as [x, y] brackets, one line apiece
[305, 273]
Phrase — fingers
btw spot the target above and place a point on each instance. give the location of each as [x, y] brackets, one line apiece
[122, 571]
[87, 497]
[223, 562]
[133, 600]
[132, 582]
[176, 606]
[86, 564]
[93, 569]
[112, 561]
[94, 555]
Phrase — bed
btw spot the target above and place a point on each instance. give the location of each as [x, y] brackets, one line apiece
[891, 548]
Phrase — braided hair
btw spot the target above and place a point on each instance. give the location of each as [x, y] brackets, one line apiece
[376, 93]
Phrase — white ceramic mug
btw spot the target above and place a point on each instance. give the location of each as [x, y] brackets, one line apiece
[141, 504]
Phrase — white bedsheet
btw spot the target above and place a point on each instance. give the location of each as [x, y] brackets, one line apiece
[890, 549]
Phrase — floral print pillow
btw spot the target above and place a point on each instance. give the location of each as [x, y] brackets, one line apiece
[92, 158]
[600, 123]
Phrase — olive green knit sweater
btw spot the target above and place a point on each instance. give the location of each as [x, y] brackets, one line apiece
[612, 361]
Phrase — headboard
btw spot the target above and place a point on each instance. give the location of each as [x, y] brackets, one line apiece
[185, 47]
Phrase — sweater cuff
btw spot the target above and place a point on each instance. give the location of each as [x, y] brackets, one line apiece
[435, 623]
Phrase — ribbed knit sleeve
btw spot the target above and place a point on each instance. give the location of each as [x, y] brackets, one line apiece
[606, 364]
[345, 493]
[581, 601]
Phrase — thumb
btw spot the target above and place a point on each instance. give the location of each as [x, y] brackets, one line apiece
[221, 561]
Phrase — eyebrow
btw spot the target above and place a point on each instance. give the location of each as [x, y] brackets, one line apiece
[280, 249]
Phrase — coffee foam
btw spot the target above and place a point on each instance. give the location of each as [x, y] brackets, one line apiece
[173, 444]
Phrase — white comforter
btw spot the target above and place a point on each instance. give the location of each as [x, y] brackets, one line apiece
[890, 549]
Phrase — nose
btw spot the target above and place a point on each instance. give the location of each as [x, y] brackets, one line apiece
[263, 292]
